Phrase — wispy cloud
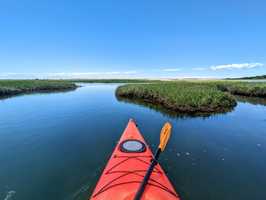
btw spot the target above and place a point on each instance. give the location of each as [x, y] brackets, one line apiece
[130, 72]
[172, 70]
[110, 74]
[236, 66]
[199, 68]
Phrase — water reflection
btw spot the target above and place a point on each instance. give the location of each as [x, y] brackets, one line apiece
[3, 97]
[168, 112]
[252, 100]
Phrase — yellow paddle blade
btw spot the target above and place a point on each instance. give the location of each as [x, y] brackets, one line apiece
[165, 135]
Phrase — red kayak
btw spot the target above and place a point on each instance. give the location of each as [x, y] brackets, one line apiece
[126, 168]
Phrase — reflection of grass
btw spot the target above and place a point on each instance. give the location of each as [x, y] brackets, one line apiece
[252, 100]
[180, 96]
[14, 87]
[165, 111]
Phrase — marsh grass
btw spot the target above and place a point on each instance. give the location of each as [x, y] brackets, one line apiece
[14, 87]
[180, 96]
[250, 89]
[190, 97]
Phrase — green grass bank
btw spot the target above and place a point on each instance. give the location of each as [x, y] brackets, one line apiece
[249, 89]
[181, 96]
[15, 87]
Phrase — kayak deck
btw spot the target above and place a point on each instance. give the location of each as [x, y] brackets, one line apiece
[126, 168]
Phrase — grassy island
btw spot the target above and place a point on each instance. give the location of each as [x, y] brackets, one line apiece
[180, 96]
[14, 87]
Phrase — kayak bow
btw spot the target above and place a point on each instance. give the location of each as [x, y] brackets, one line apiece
[126, 169]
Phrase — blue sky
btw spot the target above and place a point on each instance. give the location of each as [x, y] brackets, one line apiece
[129, 39]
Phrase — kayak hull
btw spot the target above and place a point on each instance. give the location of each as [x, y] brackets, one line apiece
[125, 170]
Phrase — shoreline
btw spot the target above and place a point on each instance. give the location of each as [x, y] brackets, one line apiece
[169, 112]
[180, 97]
[183, 97]
[10, 88]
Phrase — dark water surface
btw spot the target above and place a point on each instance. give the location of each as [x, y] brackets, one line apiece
[54, 146]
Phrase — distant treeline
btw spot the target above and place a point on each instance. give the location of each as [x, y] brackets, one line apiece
[112, 80]
[249, 77]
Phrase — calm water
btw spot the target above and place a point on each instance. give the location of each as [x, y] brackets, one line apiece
[54, 146]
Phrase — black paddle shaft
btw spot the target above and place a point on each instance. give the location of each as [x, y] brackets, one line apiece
[147, 175]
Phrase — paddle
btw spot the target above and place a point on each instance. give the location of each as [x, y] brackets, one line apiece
[164, 137]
